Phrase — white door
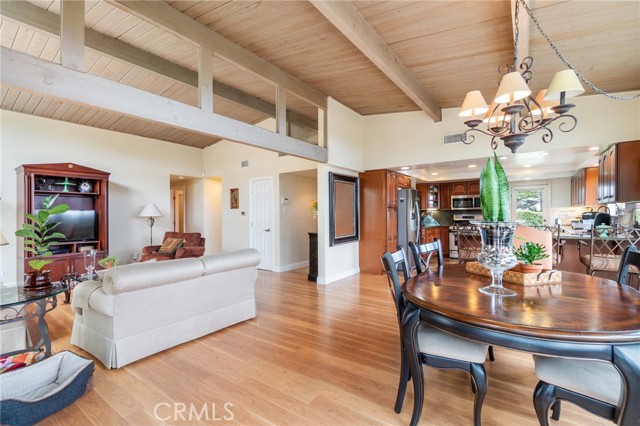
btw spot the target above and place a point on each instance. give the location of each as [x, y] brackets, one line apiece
[261, 217]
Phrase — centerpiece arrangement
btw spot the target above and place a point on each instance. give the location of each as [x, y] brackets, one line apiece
[496, 230]
[528, 253]
[39, 236]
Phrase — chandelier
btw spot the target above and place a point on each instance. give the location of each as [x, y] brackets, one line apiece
[514, 114]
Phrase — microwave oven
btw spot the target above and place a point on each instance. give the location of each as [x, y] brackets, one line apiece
[465, 202]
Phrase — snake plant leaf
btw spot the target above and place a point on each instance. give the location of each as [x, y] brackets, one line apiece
[504, 214]
[490, 193]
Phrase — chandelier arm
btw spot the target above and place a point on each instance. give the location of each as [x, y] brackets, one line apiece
[566, 62]
[494, 143]
[468, 139]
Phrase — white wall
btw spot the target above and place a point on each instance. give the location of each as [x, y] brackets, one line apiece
[213, 215]
[346, 146]
[223, 161]
[296, 219]
[194, 205]
[139, 167]
[394, 140]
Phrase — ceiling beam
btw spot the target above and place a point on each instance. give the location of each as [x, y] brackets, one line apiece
[34, 75]
[523, 30]
[346, 18]
[48, 22]
[72, 34]
[161, 14]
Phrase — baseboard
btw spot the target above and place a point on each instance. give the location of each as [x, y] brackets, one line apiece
[291, 266]
[336, 277]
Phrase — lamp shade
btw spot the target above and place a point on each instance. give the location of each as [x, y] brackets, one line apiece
[544, 104]
[498, 116]
[3, 240]
[512, 88]
[474, 104]
[564, 81]
[150, 210]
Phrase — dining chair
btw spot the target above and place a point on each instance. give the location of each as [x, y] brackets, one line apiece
[419, 251]
[437, 348]
[595, 386]
[469, 244]
[605, 248]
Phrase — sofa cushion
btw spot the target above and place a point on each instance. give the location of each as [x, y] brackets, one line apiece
[143, 275]
[228, 261]
[170, 245]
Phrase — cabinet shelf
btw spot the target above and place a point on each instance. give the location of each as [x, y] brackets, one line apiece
[52, 192]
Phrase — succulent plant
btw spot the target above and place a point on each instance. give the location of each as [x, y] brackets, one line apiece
[530, 252]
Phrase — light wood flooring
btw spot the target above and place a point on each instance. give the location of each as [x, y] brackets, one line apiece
[315, 355]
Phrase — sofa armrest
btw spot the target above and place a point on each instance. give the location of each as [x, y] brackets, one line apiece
[83, 295]
[150, 249]
[189, 252]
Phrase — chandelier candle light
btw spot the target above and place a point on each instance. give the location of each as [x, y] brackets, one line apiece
[514, 113]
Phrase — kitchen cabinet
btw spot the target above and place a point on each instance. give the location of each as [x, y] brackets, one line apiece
[422, 189]
[459, 188]
[445, 195]
[471, 187]
[427, 235]
[619, 174]
[584, 187]
[378, 216]
[433, 196]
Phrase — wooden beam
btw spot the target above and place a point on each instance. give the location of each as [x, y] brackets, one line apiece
[523, 30]
[172, 20]
[35, 75]
[72, 34]
[281, 110]
[38, 18]
[205, 79]
[346, 18]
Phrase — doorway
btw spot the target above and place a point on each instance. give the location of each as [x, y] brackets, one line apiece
[178, 208]
[261, 219]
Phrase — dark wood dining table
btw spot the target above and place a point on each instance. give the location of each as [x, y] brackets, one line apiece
[580, 317]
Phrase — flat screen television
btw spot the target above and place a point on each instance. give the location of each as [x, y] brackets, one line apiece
[77, 225]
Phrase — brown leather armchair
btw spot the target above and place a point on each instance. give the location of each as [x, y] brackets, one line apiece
[193, 247]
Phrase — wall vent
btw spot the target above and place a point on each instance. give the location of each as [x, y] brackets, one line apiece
[245, 163]
[452, 138]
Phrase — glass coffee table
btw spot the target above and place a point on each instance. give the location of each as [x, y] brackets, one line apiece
[17, 304]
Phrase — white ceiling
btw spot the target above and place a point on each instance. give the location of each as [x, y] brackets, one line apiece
[520, 166]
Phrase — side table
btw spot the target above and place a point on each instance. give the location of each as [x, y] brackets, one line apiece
[71, 281]
[16, 304]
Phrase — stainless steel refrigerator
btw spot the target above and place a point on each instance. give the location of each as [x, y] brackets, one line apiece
[408, 220]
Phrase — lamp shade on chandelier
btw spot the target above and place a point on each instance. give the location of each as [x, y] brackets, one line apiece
[514, 113]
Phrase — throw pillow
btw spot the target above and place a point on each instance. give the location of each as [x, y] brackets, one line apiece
[171, 245]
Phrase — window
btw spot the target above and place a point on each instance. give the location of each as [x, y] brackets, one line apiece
[530, 204]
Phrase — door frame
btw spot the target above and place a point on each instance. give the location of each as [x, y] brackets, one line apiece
[273, 217]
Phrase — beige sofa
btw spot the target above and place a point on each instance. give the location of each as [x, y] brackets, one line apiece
[141, 309]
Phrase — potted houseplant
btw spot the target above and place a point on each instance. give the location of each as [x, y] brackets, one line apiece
[39, 235]
[496, 230]
[528, 253]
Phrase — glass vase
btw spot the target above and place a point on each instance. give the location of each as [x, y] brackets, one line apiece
[90, 262]
[497, 254]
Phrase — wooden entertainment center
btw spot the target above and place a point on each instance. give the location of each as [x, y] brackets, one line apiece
[84, 190]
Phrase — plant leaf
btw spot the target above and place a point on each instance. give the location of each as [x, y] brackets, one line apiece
[54, 235]
[33, 218]
[503, 191]
[38, 264]
[60, 208]
[43, 215]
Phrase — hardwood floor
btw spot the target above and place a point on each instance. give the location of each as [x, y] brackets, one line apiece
[315, 355]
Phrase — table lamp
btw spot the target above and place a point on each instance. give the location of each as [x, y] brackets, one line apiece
[150, 211]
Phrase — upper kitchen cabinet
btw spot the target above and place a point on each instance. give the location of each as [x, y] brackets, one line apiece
[619, 173]
[584, 187]
[404, 181]
[471, 187]
[433, 196]
[422, 189]
[445, 195]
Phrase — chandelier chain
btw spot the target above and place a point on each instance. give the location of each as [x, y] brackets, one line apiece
[561, 56]
[516, 36]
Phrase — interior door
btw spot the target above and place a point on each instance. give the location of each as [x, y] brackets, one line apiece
[261, 217]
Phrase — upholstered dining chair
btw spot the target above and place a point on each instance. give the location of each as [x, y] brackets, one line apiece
[419, 251]
[593, 385]
[437, 348]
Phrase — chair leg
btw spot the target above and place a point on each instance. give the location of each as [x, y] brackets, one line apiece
[402, 386]
[479, 376]
[491, 355]
[555, 410]
[543, 399]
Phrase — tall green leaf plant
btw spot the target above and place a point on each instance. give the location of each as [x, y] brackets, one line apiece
[40, 235]
[495, 198]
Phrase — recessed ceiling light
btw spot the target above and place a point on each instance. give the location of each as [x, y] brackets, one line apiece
[543, 153]
[595, 164]
[471, 166]
[528, 165]
[504, 157]
[434, 174]
[527, 178]
[405, 168]
[594, 148]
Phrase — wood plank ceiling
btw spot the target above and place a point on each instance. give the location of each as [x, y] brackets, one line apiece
[451, 47]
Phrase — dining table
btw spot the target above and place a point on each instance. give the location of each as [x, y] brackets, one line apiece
[581, 316]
